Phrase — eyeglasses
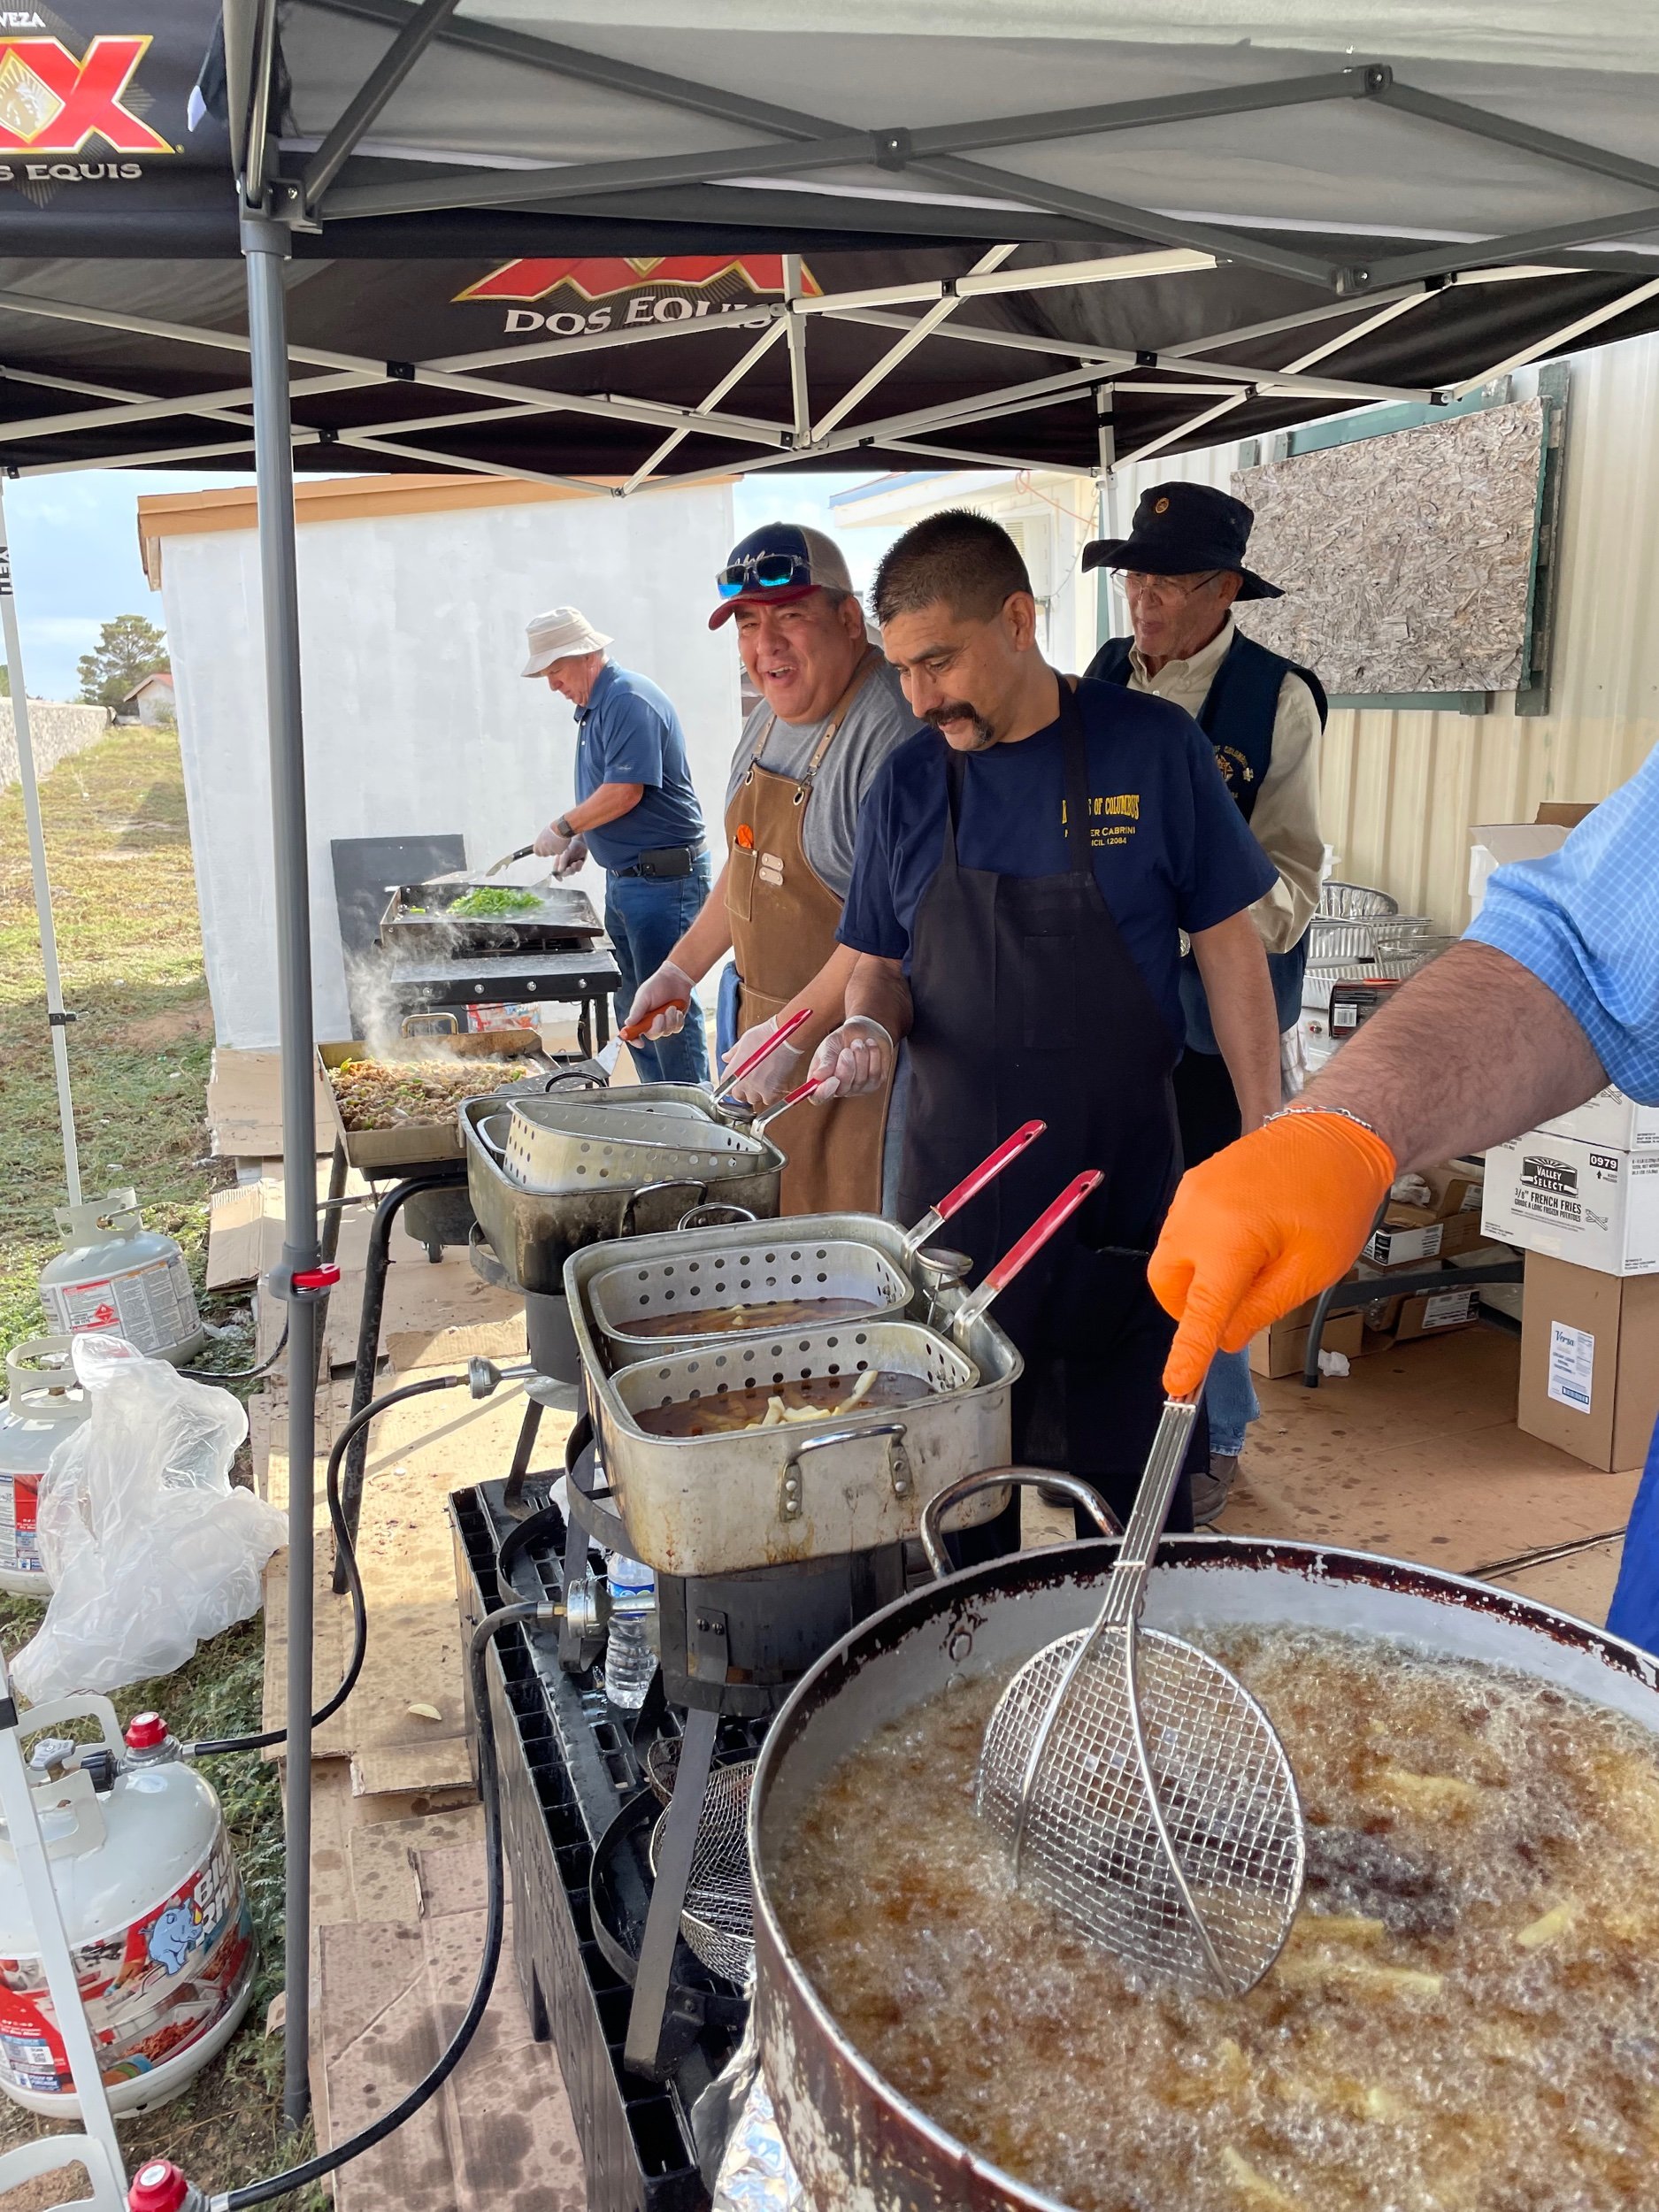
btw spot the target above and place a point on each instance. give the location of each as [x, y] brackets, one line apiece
[1166, 587]
[770, 572]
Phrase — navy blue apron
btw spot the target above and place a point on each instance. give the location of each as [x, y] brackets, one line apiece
[1028, 1005]
[1634, 1613]
[1236, 715]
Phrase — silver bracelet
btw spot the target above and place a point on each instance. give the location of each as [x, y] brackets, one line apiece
[1286, 1113]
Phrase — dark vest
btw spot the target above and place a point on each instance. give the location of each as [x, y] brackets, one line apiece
[1237, 716]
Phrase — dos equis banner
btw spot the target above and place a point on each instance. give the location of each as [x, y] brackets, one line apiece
[100, 96]
[568, 297]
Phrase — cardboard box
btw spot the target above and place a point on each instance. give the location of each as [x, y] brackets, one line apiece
[1500, 1297]
[1590, 1362]
[1282, 1349]
[1609, 1119]
[1574, 1202]
[1464, 1233]
[1455, 1186]
[1494, 844]
[1565, 813]
[1435, 1313]
[1398, 1245]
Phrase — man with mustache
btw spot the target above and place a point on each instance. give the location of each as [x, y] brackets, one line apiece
[1026, 868]
[830, 711]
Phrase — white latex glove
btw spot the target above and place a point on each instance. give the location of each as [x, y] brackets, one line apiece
[574, 857]
[778, 1073]
[653, 1011]
[551, 843]
[853, 1060]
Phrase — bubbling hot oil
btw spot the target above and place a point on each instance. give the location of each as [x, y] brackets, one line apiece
[1465, 2019]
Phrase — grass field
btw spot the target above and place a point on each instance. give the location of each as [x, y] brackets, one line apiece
[124, 892]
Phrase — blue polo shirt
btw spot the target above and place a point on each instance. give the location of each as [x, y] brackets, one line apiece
[629, 732]
[1171, 849]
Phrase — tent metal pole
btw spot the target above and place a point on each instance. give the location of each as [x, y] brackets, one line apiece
[371, 96]
[57, 1020]
[264, 246]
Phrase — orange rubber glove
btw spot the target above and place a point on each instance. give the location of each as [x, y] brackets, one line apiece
[1261, 1226]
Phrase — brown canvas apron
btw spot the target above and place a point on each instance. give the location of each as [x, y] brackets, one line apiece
[784, 918]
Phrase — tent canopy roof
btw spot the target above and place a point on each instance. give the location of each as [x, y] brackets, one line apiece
[569, 240]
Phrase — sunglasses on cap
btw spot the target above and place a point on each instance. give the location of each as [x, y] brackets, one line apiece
[768, 572]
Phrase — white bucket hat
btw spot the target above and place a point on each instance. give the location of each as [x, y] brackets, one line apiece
[556, 636]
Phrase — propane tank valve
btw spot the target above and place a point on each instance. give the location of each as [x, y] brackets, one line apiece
[161, 2187]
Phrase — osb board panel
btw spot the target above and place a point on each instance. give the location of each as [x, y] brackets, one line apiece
[456, 1342]
[1416, 1452]
[418, 1452]
[244, 1105]
[499, 2136]
[1405, 560]
[233, 1235]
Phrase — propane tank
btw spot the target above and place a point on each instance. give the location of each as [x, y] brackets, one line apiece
[44, 1403]
[115, 1275]
[153, 1907]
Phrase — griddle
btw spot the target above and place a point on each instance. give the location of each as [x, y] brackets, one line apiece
[417, 924]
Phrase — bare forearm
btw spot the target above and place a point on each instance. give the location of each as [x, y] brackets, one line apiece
[708, 937]
[608, 804]
[878, 990]
[1234, 968]
[1473, 1051]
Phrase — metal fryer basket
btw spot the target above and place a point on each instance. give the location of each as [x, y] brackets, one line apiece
[828, 1353]
[764, 1270]
[717, 1920]
[562, 1144]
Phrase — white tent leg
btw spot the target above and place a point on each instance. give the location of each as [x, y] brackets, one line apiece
[95, 2146]
[55, 1015]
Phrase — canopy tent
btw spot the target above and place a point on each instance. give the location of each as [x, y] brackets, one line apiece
[604, 240]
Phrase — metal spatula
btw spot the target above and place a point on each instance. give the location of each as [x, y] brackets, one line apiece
[1139, 1788]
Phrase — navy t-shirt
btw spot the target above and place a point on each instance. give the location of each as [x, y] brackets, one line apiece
[1171, 849]
[629, 732]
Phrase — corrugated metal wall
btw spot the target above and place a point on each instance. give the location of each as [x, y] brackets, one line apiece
[1403, 790]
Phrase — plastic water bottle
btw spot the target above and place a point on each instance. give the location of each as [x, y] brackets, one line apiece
[630, 1662]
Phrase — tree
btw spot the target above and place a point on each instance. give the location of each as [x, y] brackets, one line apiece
[129, 648]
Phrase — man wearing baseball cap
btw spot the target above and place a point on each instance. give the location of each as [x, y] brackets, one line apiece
[1183, 568]
[635, 812]
[830, 711]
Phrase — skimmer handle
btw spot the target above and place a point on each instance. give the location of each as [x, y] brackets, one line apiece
[973, 1183]
[779, 1036]
[1017, 1257]
[1150, 1512]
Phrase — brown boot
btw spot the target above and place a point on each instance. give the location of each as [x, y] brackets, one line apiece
[1211, 1490]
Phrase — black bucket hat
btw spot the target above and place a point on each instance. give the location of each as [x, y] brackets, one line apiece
[1180, 530]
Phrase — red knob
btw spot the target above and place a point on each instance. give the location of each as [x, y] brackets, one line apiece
[144, 1732]
[157, 2187]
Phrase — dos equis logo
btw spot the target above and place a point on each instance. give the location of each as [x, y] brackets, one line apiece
[56, 103]
[623, 292]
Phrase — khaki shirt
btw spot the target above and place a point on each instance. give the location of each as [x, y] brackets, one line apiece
[1285, 821]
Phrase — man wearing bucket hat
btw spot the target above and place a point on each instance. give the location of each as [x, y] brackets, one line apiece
[830, 711]
[635, 812]
[1183, 569]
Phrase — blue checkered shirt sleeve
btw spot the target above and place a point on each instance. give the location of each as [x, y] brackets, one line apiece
[1586, 921]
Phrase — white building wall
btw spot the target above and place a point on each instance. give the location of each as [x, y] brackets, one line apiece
[417, 720]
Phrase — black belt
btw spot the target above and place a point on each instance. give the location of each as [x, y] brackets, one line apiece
[667, 862]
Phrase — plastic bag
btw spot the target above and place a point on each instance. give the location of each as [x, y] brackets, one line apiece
[148, 1548]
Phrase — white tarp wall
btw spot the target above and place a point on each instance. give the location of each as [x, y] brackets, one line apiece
[412, 609]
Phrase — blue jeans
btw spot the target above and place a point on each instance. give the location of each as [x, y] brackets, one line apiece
[646, 917]
[1230, 1403]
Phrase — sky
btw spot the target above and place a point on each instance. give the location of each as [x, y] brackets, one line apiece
[75, 562]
